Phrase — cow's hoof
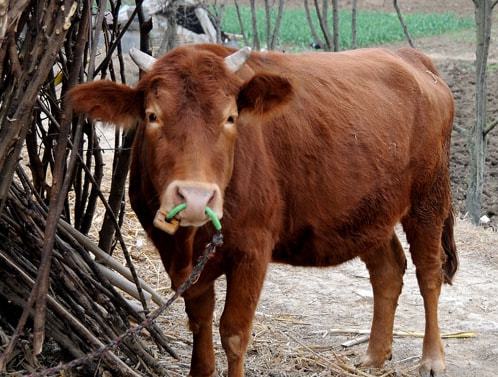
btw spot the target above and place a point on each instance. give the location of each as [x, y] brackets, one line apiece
[374, 361]
[209, 374]
[431, 368]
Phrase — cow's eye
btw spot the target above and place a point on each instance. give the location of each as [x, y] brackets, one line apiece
[152, 117]
[231, 119]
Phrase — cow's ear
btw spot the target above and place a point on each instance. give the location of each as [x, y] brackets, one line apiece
[108, 102]
[263, 93]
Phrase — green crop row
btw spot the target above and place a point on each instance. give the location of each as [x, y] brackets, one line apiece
[373, 27]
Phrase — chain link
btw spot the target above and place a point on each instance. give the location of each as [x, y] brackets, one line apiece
[209, 251]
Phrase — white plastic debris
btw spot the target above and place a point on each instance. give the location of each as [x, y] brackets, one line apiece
[484, 220]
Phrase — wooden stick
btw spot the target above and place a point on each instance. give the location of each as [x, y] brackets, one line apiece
[109, 260]
[355, 341]
[73, 321]
[402, 333]
[121, 283]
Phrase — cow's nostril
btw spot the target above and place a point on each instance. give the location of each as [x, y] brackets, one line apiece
[180, 195]
[211, 199]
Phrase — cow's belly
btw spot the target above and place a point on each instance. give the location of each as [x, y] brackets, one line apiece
[310, 246]
[321, 239]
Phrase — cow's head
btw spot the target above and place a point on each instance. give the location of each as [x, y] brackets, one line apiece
[189, 103]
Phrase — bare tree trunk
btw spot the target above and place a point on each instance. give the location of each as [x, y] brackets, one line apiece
[268, 22]
[354, 9]
[483, 16]
[219, 12]
[116, 195]
[325, 20]
[322, 19]
[241, 23]
[335, 24]
[255, 38]
[403, 24]
[272, 33]
[169, 40]
[316, 38]
[276, 27]
[146, 27]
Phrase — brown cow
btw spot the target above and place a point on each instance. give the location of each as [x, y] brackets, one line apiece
[311, 159]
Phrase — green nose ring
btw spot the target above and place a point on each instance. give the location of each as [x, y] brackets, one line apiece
[209, 212]
[175, 211]
[214, 219]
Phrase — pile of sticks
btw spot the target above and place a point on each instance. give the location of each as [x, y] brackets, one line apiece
[84, 309]
[59, 296]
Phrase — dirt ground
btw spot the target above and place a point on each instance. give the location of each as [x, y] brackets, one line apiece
[305, 314]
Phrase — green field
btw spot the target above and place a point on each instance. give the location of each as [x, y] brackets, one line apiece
[373, 27]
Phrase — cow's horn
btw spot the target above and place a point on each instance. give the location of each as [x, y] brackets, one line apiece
[143, 60]
[235, 61]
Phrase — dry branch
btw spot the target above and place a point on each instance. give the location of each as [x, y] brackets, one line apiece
[105, 258]
[93, 323]
[47, 272]
[124, 284]
[403, 24]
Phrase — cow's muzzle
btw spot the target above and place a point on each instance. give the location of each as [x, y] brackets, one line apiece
[197, 196]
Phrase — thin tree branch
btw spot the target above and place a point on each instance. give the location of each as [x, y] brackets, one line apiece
[60, 185]
[403, 24]
[241, 23]
[96, 37]
[322, 19]
[354, 8]
[105, 62]
[267, 23]
[335, 24]
[316, 38]
[113, 219]
[490, 127]
[255, 38]
[278, 22]
[14, 58]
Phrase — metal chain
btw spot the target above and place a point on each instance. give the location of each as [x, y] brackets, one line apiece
[209, 251]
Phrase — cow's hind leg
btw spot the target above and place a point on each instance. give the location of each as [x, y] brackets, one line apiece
[244, 283]
[200, 313]
[426, 251]
[386, 266]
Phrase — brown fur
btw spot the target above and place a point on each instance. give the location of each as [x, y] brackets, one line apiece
[330, 152]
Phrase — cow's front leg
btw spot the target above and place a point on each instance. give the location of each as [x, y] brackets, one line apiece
[244, 282]
[200, 314]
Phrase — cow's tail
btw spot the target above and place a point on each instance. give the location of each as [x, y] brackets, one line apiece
[450, 264]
